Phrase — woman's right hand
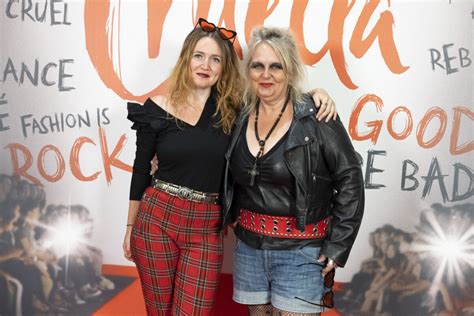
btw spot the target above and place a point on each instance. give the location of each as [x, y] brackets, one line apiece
[126, 244]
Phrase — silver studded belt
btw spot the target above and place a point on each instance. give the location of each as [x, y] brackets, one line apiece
[185, 193]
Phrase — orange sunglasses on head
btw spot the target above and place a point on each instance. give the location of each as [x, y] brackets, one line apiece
[209, 27]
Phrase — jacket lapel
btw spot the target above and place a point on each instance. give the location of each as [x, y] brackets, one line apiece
[298, 135]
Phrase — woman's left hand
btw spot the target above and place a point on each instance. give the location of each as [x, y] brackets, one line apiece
[327, 107]
[330, 264]
[154, 165]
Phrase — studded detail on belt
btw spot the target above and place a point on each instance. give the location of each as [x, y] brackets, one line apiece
[281, 226]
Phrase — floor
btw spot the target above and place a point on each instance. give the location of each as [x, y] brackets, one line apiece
[129, 302]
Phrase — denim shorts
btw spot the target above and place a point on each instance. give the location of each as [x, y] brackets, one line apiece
[284, 278]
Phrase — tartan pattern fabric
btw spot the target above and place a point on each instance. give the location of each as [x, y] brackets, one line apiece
[177, 246]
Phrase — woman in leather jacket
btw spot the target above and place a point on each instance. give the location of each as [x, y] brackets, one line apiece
[293, 185]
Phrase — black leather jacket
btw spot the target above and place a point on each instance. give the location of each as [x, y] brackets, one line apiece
[328, 177]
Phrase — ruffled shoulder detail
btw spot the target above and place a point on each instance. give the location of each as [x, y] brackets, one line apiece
[146, 116]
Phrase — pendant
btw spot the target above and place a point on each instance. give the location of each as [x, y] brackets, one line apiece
[253, 172]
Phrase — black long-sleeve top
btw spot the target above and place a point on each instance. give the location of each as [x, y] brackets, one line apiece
[191, 156]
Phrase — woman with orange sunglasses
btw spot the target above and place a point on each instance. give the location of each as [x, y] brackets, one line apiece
[174, 227]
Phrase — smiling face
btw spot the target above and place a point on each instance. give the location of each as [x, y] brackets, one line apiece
[206, 63]
[268, 78]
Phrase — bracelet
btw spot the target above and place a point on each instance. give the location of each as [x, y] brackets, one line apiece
[129, 225]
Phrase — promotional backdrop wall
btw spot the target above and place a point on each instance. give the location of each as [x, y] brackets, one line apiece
[399, 71]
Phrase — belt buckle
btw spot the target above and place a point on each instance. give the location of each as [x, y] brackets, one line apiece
[185, 193]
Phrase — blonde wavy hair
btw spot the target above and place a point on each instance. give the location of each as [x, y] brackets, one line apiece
[228, 86]
[284, 45]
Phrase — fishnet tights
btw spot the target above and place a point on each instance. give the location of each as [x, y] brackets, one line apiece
[269, 310]
[260, 310]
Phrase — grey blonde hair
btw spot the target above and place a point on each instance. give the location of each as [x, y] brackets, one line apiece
[284, 45]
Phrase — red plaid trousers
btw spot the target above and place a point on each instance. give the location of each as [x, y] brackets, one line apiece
[177, 247]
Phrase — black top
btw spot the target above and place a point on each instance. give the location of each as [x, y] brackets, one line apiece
[190, 156]
[273, 192]
[273, 189]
